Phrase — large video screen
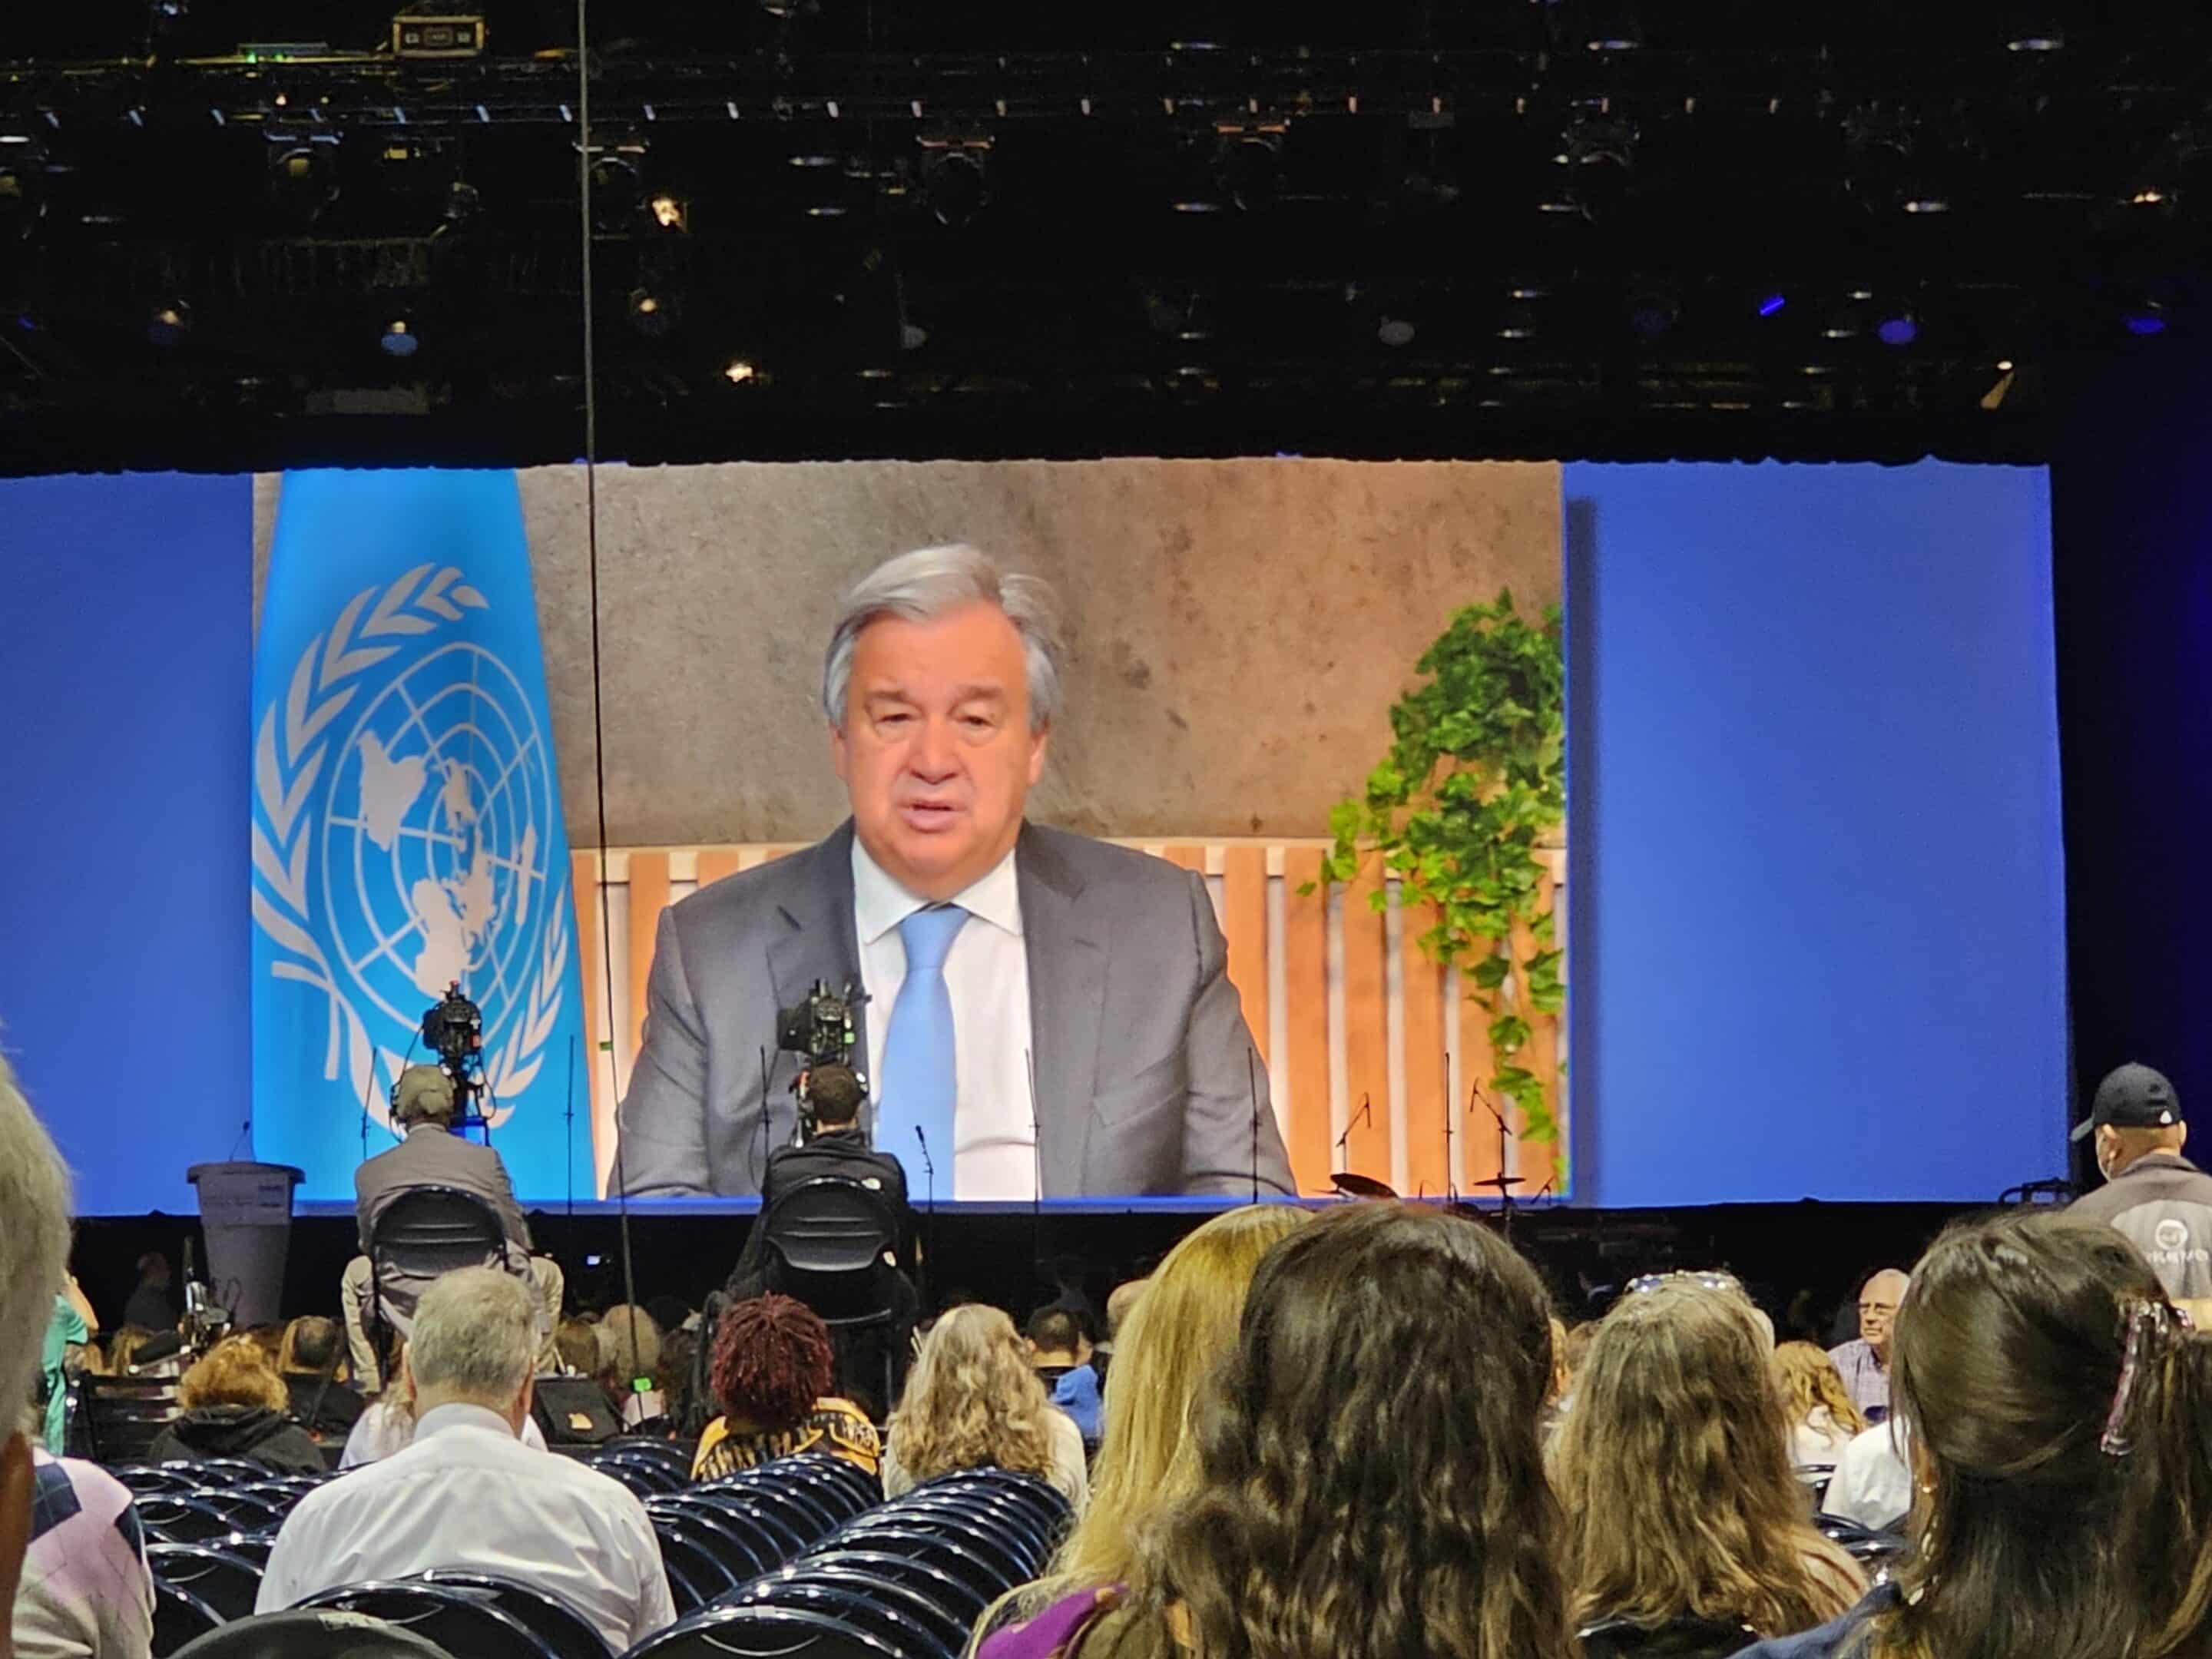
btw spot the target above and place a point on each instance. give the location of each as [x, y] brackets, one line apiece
[1263, 834]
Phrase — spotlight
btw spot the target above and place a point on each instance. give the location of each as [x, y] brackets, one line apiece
[169, 322]
[954, 184]
[1842, 323]
[23, 185]
[2033, 29]
[1248, 167]
[1772, 303]
[1516, 323]
[652, 314]
[1899, 327]
[2145, 319]
[399, 339]
[618, 187]
[464, 202]
[669, 213]
[1611, 25]
[739, 371]
[1394, 331]
[300, 178]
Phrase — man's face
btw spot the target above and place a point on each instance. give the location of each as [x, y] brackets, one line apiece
[1878, 1308]
[936, 750]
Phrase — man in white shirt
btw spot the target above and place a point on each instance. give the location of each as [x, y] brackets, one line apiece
[1040, 1014]
[467, 1493]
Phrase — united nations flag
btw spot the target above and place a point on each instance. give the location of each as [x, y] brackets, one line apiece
[407, 828]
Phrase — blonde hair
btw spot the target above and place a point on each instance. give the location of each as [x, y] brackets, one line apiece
[234, 1372]
[1672, 1465]
[971, 1400]
[1808, 1379]
[1183, 1326]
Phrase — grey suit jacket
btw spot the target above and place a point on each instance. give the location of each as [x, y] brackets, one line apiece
[1144, 1070]
[431, 1157]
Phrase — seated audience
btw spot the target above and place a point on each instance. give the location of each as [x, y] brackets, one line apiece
[1121, 1302]
[467, 1493]
[86, 1592]
[629, 1359]
[388, 1425]
[236, 1406]
[1060, 1354]
[151, 1307]
[431, 1155]
[1674, 1469]
[672, 1382]
[972, 1402]
[311, 1360]
[1821, 1416]
[772, 1371]
[2055, 1410]
[1873, 1481]
[1863, 1362]
[1366, 1479]
[122, 1354]
[576, 1347]
[72, 1326]
[1170, 1338]
[34, 1246]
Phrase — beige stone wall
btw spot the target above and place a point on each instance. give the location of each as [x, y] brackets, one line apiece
[1238, 630]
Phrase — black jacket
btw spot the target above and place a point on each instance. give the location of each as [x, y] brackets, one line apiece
[833, 1155]
[252, 1431]
[325, 1411]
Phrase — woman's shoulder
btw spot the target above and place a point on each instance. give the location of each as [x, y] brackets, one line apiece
[1036, 1623]
[1842, 1637]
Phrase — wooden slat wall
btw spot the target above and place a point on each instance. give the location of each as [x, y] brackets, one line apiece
[1409, 1062]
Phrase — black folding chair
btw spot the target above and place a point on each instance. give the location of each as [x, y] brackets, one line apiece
[152, 1480]
[1013, 1562]
[944, 1626]
[560, 1626]
[695, 1568]
[245, 1512]
[228, 1583]
[1678, 1638]
[180, 1618]
[802, 1516]
[182, 1519]
[425, 1232]
[987, 1568]
[861, 1607]
[825, 1241]
[295, 1635]
[1865, 1544]
[124, 1415]
[463, 1620]
[762, 1633]
[743, 1549]
[739, 1504]
[962, 1602]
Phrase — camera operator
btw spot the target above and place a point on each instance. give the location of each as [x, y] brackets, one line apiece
[431, 1155]
[835, 1148]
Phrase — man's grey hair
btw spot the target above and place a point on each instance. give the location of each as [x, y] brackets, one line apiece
[932, 582]
[34, 1244]
[620, 1354]
[475, 1335]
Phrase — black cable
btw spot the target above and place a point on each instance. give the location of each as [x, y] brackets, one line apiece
[591, 570]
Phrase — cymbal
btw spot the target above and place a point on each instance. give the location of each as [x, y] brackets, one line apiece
[1351, 1185]
[1502, 1183]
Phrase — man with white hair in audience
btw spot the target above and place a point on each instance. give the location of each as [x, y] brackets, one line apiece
[72, 1559]
[1865, 1363]
[468, 1493]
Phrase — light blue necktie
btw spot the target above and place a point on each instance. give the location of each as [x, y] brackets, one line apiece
[917, 1086]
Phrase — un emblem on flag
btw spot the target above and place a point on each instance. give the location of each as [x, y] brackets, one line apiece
[408, 766]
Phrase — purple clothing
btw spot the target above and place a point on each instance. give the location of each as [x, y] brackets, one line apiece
[86, 1589]
[1053, 1631]
[1866, 1379]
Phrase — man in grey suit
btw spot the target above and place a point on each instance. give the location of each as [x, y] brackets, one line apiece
[431, 1155]
[1040, 1014]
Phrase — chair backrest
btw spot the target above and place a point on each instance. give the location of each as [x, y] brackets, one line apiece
[124, 1415]
[828, 1228]
[228, 1583]
[179, 1617]
[567, 1631]
[461, 1618]
[752, 1632]
[429, 1230]
[298, 1635]
[187, 1519]
[1678, 1638]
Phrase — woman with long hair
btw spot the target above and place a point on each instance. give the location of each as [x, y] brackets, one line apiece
[2056, 1407]
[1366, 1477]
[771, 1372]
[972, 1402]
[1674, 1467]
[1815, 1404]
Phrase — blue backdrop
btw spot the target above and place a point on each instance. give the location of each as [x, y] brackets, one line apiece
[126, 652]
[1816, 942]
[1815, 936]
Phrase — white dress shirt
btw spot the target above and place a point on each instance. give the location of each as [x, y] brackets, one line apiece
[986, 973]
[1873, 1484]
[386, 1427]
[467, 1493]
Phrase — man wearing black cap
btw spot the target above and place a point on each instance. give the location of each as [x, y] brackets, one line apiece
[2153, 1194]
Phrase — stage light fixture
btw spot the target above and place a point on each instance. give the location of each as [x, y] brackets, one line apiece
[2145, 319]
[1771, 303]
[2033, 27]
[1652, 312]
[618, 187]
[464, 202]
[302, 184]
[167, 323]
[399, 339]
[739, 371]
[1394, 330]
[1248, 166]
[1899, 327]
[23, 185]
[1611, 25]
[669, 213]
[652, 315]
[1516, 323]
[956, 184]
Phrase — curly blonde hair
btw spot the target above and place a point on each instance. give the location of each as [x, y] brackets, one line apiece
[234, 1372]
[971, 1400]
[1672, 1465]
[1808, 1379]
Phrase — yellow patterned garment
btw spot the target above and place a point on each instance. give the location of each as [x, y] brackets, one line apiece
[837, 1427]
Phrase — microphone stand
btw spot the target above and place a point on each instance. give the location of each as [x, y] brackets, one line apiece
[1252, 1083]
[1504, 1182]
[1365, 1115]
[929, 1225]
[1036, 1155]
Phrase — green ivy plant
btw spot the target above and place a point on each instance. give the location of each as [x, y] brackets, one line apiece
[1474, 786]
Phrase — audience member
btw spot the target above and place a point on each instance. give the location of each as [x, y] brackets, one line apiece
[431, 1155]
[972, 1402]
[1121, 1302]
[1060, 1355]
[1367, 1483]
[772, 1371]
[672, 1381]
[72, 1325]
[576, 1347]
[1674, 1469]
[1822, 1419]
[269, 1339]
[234, 1405]
[1864, 1361]
[2056, 1408]
[122, 1354]
[311, 1360]
[467, 1493]
[34, 1244]
[629, 1358]
[151, 1307]
[1579, 1337]
[1873, 1481]
[387, 1425]
[2153, 1194]
[86, 1592]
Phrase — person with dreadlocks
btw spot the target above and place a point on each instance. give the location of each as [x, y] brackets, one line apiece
[771, 1375]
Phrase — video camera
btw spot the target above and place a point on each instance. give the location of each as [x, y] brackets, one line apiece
[820, 1030]
[452, 1030]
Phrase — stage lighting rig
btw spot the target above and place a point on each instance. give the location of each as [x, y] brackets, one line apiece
[653, 315]
[400, 337]
[302, 181]
[22, 185]
[169, 322]
[956, 180]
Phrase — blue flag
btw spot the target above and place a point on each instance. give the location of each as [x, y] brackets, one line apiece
[407, 828]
